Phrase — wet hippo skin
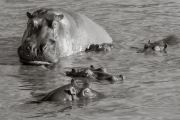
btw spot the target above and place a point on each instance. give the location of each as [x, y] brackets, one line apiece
[159, 46]
[87, 93]
[65, 93]
[99, 74]
[151, 47]
[100, 47]
[72, 92]
[83, 72]
[55, 33]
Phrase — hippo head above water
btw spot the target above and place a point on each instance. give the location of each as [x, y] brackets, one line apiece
[87, 93]
[40, 39]
[65, 93]
[54, 33]
[151, 47]
[72, 92]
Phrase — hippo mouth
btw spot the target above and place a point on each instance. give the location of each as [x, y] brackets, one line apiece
[34, 62]
[36, 57]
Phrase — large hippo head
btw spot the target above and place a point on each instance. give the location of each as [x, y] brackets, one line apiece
[54, 33]
[40, 42]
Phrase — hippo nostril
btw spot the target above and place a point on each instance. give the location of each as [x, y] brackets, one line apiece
[45, 47]
[35, 51]
[28, 47]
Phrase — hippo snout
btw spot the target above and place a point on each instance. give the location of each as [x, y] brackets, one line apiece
[31, 53]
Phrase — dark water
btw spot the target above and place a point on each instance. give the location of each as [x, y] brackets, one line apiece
[152, 86]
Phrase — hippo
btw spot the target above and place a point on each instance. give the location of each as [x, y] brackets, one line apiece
[55, 33]
[160, 45]
[99, 74]
[83, 72]
[101, 69]
[72, 92]
[87, 93]
[151, 47]
[65, 93]
[100, 47]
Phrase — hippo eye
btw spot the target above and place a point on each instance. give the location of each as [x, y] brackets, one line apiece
[73, 90]
[49, 23]
[52, 41]
[86, 92]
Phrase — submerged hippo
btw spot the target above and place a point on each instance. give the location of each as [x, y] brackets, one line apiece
[54, 33]
[65, 93]
[160, 45]
[151, 47]
[100, 47]
[72, 92]
[83, 72]
[99, 74]
[87, 93]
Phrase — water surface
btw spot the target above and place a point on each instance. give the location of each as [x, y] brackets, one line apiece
[152, 85]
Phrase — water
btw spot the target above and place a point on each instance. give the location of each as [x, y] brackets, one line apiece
[152, 85]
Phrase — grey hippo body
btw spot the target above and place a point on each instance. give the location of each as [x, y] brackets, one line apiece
[65, 93]
[55, 33]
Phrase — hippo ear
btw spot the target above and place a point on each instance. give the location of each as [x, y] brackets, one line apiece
[145, 46]
[74, 71]
[92, 67]
[165, 46]
[149, 41]
[122, 77]
[29, 15]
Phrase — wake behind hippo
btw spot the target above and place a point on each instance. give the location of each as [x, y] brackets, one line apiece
[55, 33]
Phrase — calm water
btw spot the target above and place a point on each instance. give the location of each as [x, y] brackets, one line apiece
[152, 86]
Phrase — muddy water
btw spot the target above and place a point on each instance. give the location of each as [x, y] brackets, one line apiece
[152, 86]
